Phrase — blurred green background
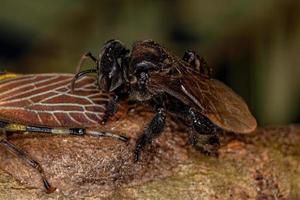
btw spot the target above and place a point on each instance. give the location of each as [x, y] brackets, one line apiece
[253, 46]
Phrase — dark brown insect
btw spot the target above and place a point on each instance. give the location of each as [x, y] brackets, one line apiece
[43, 103]
[181, 87]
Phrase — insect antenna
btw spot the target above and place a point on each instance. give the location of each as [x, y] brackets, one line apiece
[79, 73]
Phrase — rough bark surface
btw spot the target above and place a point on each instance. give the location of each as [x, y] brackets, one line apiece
[263, 165]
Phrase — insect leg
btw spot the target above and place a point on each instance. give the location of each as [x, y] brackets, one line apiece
[111, 109]
[153, 130]
[12, 127]
[25, 157]
[203, 134]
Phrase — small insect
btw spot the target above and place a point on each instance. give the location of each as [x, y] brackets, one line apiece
[43, 103]
[183, 88]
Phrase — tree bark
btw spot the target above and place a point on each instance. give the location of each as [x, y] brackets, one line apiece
[262, 165]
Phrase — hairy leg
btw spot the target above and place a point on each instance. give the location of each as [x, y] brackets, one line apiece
[204, 134]
[111, 109]
[153, 130]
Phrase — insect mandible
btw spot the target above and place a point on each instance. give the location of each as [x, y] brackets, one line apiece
[182, 87]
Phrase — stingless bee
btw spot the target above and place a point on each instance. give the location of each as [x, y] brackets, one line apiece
[182, 87]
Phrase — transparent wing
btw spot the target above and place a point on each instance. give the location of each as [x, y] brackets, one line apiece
[46, 99]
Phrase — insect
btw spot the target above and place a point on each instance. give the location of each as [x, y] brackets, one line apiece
[182, 87]
[43, 103]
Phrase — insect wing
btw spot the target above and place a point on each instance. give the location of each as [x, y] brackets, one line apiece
[220, 104]
[46, 99]
[215, 100]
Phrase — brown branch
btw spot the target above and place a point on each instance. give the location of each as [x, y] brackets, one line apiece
[264, 165]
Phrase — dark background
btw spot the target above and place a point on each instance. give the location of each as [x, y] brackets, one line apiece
[253, 46]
